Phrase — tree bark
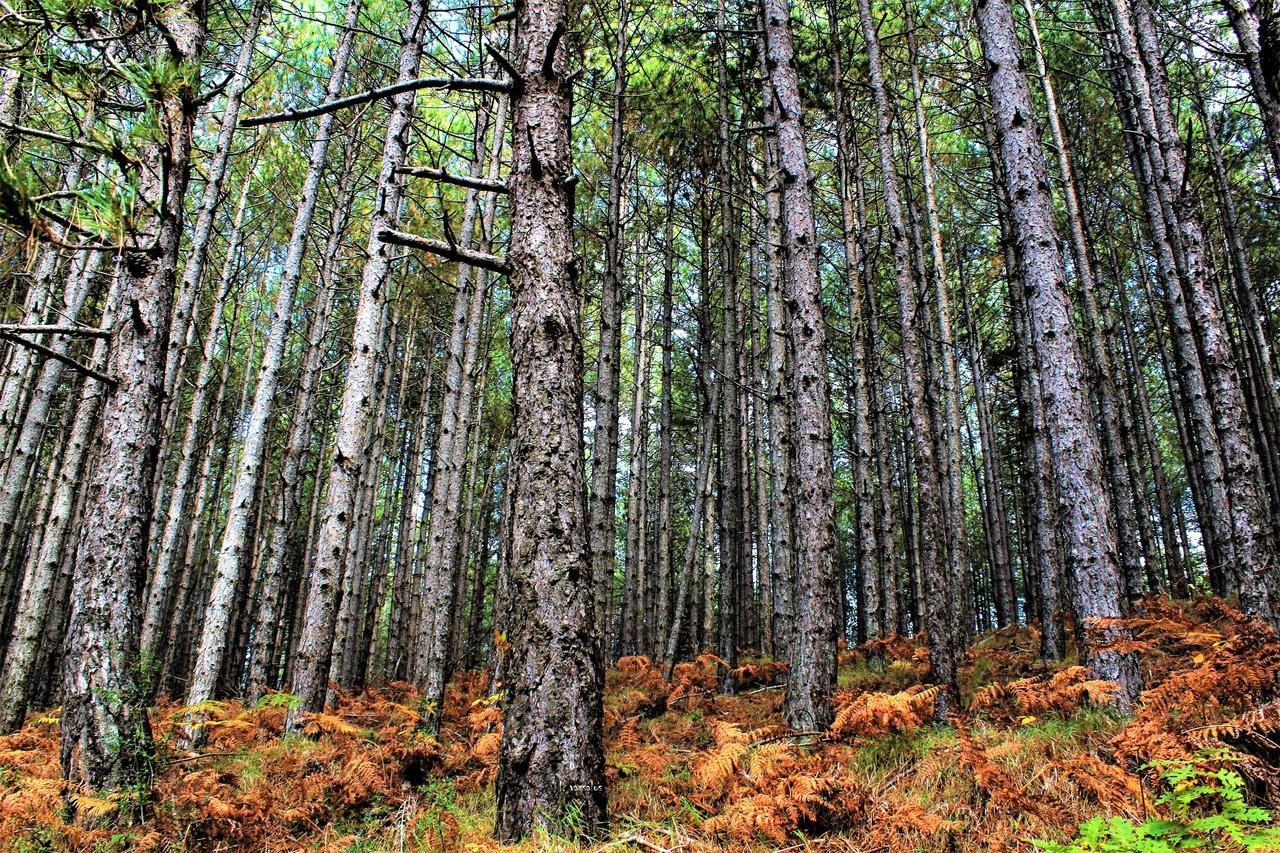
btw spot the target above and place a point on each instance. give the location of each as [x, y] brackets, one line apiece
[551, 762]
[813, 652]
[351, 444]
[1073, 438]
[106, 738]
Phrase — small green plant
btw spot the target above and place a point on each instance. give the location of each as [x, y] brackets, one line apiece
[1206, 807]
[436, 825]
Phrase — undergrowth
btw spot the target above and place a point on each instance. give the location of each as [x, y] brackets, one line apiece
[1035, 758]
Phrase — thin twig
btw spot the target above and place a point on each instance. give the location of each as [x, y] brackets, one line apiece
[82, 331]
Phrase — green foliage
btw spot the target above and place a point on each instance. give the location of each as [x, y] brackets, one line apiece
[17, 186]
[288, 701]
[1206, 807]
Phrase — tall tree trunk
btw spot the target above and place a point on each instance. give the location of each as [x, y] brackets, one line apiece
[1103, 384]
[282, 537]
[202, 231]
[551, 762]
[662, 562]
[1246, 512]
[44, 566]
[634, 615]
[155, 619]
[848, 168]
[813, 652]
[939, 591]
[997, 519]
[241, 510]
[311, 660]
[106, 738]
[949, 387]
[443, 567]
[603, 521]
[1076, 462]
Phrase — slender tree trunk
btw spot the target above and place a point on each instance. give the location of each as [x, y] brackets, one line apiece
[311, 663]
[155, 618]
[604, 451]
[44, 566]
[282, 537]
[662, 616]
[1006, 604]
[1076, 462]
[848, 167]
[933, 564]
[231, 554]
[202, 232]
[432, 652]
[949, 387]
[634, 615]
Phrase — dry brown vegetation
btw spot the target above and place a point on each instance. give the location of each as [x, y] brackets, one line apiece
[1035, 753]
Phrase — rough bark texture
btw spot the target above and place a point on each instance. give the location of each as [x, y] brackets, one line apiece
[813, 652]
[105, 733]
[1076, 456]
[551, 762]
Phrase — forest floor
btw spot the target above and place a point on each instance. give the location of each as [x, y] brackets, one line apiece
[1036, 753]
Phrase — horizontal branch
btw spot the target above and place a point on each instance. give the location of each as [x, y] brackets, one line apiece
[59, 138]
[453, 84]
[81, 331]
[483, 260]
[91, 372]
[450, 178]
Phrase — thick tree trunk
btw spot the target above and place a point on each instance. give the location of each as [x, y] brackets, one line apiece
[1103, 384]
[106, 738]
[813, 650]
[551, 762]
